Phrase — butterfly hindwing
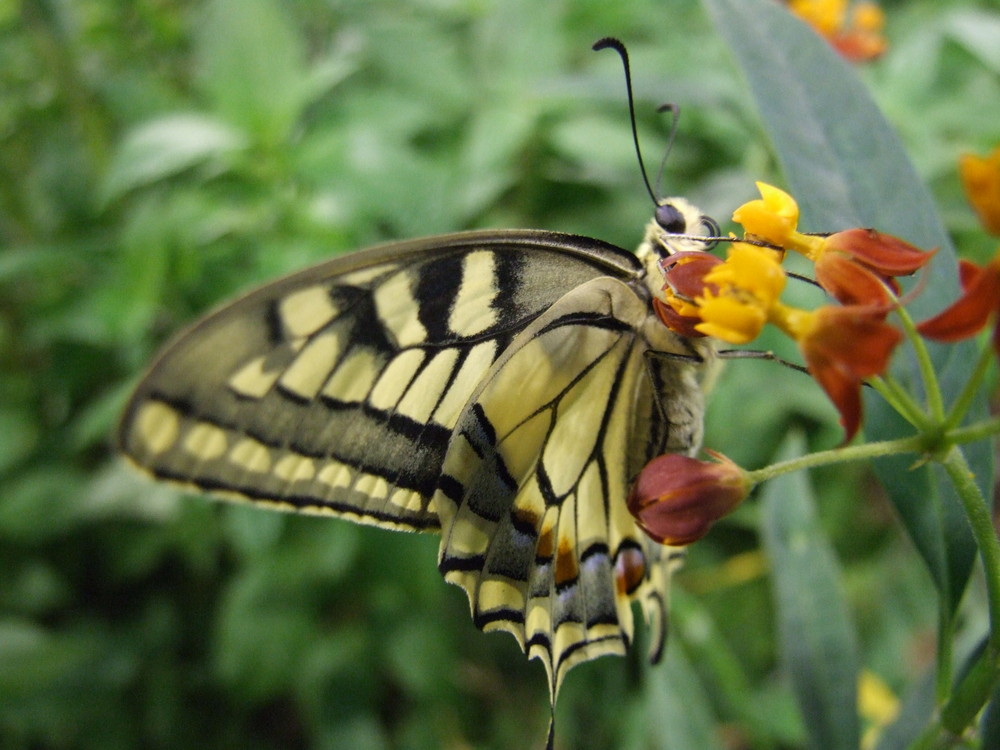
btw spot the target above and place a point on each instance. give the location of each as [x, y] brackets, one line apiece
[532, 501]
[336, 389]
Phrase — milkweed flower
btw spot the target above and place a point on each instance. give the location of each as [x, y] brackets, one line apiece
[856, 266]
[676, 498]
[740, 294]
[981, 180]
[842, 346]
[684, 274]
[970, 313]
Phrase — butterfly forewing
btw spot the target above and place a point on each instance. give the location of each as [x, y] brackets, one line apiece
[336, 389]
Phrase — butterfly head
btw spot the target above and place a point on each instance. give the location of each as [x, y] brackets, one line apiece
[677, 226]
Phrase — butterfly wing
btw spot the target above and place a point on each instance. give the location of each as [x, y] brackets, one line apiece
[336, 389]
[532, 499]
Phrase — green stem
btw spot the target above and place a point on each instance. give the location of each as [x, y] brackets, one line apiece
[973, 432]
[901, 401]
[978, 515]
[914, 444]
[976, 687]
[964, 400]
[935, 402]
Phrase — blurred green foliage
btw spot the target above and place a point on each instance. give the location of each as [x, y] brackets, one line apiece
[159, 156]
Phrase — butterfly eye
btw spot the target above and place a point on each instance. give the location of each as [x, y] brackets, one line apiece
[670, 219]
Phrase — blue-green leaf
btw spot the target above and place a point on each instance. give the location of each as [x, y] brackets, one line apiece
[846, 167]
[817, 641]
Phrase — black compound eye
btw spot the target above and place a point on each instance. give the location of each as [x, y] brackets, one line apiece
[670, 219]
[711, 226]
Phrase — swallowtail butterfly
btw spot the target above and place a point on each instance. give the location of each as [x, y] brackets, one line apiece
[501, 388]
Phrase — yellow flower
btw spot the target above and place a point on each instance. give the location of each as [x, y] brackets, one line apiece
[826, 16]
[773, 217]
[856, 266]
[981, 179]
[739, 294]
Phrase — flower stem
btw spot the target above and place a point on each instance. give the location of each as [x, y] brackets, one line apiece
[897, 397]
[978, 515]
[978, 683]
[914, 444]
[964, 400]
[935, 402]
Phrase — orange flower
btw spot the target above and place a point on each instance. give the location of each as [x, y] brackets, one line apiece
[858, 266]
[842, 346]
[684, 274]
[676, 499]
[981, 179]
[970, 313]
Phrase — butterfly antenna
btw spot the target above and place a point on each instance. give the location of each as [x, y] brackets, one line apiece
[675, 117]
[610, 42]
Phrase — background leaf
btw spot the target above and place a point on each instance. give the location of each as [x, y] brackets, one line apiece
[817, 641]
[846, 167]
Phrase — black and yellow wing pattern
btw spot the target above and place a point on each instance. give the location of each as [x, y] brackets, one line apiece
[502, 388]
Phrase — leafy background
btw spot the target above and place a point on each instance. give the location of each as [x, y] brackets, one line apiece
[159, 156]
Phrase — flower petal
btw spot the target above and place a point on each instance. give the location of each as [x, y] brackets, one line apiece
[675, 321]
[844, 345]
[773, 217]
[883, 253]
[729, 319]
[970, 312]
[851, 283]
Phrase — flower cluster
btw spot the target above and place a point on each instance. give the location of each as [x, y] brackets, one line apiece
[855, 32]
[842, 344]
[675, 498]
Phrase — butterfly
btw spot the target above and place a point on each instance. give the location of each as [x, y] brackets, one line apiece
[501, 388]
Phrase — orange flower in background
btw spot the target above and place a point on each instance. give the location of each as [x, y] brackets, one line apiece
[855, 32]
[676, 499]
[970, 313]
[981, 180]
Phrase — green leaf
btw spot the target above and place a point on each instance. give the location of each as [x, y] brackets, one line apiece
[846, 167]
[817, 640]
[165, 146]
[678, 713]
[251, 64]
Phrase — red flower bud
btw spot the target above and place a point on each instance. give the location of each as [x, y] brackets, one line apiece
[676, 499]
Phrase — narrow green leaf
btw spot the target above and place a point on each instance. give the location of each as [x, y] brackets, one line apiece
[817, 641]
[679, 712]
[846, 167]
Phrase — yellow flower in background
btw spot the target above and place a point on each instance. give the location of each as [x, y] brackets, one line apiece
[981, 180]
[855, 32]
